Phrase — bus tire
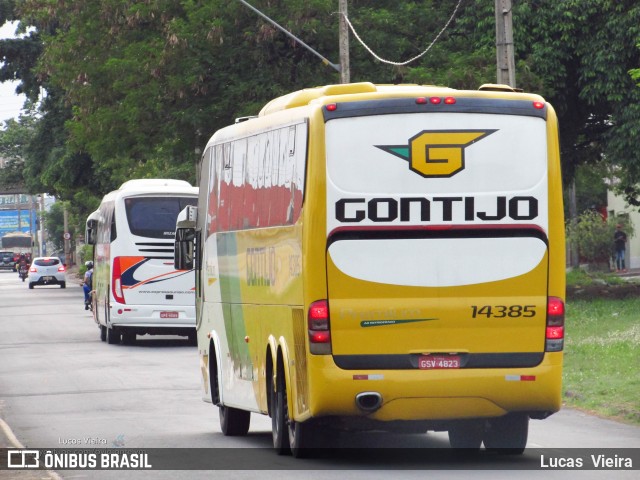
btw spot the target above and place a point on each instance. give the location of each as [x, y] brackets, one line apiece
[103, 333]
[234, 422]
[467, 434]
[113, 336]
[280, 413]
[507, 434]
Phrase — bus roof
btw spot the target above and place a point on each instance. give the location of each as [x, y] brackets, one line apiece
[142, 183]
[356, 91]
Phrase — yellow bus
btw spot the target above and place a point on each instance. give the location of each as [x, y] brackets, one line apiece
[382, 257]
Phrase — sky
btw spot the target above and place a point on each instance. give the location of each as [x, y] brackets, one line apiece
[10, 103]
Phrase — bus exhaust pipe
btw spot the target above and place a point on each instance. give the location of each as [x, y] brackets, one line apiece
[369, 401]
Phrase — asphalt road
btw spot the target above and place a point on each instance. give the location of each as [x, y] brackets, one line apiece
[61, 387]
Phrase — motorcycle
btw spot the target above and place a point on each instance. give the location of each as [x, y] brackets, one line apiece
[23, 272]
[88, 302]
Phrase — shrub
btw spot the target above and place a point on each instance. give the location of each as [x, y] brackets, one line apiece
[593, 236]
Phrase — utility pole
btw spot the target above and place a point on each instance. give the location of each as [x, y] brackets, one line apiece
[345, 74]
[504, 43]
[43, 236]
[65, 217]
[31, 222]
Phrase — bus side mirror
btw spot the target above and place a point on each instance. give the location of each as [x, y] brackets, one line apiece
[184, 248]
[90, 236]
[90, 232]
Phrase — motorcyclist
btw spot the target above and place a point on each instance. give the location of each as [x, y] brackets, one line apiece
[87, 284]
[23, 264]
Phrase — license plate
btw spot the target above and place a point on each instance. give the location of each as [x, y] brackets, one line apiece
[47, 279]
[169, 315]
[432, 362]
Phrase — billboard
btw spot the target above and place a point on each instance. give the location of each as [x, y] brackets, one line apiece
[9, 220]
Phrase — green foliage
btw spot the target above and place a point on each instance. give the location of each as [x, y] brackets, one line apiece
[135, 89]
[54, 225]
[593, 236]
[590, 188]
[583, 51]
[14, 138]
[86, 254]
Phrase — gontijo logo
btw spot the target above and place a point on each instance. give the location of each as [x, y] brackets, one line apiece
[437, 153]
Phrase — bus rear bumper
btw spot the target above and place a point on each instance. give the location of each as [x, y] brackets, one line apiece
[435, 395]
[153, 319]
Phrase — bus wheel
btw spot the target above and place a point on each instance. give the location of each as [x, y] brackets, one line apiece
[103, 333]
[113, 336]
[467, 434]
[234, 422]
[279, 414]
[507, 434]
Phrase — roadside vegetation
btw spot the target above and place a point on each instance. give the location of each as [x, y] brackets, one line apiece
[602, 349]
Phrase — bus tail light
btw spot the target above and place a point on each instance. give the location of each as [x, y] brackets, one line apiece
[116, 281]
[555, 325]
[318, 327]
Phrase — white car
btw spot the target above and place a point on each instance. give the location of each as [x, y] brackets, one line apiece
[47, 271]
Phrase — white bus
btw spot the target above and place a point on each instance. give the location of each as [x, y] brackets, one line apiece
[136, 289]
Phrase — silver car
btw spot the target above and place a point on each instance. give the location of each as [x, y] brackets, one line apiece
[47, 271]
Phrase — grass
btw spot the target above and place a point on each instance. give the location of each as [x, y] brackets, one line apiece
[602, 357]
[580, 277]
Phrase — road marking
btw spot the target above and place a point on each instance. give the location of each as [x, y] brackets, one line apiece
[6, 429]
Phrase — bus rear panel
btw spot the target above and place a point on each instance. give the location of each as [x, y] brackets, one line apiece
[437, 255]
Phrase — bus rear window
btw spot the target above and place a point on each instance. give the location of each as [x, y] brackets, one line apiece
[155, 217]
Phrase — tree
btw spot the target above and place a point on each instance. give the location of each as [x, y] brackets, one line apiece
[14, 138]
[583, 50]
[54, 225]
[134, 89]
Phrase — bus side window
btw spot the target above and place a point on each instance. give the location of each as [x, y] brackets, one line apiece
[114, 234]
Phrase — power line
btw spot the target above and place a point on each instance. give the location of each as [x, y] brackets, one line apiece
[355, 34]
[291, 35]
